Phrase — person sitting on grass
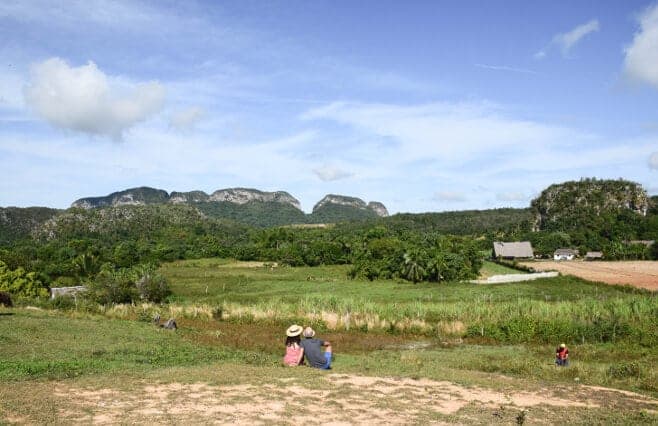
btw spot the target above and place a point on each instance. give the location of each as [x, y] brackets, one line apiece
[294, 352]
[313, 350]
[562, 356]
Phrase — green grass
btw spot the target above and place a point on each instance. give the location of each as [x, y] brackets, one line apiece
[491, 268]
[214, 281]
[545, 310]
[459, 332]
[54, 345]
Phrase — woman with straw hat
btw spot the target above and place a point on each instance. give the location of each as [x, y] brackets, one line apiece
[294, 352]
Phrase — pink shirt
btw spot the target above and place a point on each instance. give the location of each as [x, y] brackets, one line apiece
[292, 355]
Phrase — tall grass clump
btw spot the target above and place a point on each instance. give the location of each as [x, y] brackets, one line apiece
[630, 317]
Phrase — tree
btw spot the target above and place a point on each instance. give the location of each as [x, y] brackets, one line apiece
[86, 265]
[151, 286]
[413, 265]
[21, 282]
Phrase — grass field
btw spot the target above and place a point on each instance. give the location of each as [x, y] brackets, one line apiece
[404, 353]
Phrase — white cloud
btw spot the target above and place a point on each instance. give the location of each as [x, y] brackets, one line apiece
[446, 132]
[566, 41]
[450, 196]
[172, 162]
[511, 196]
[653, 161]
[408, 148]
[641, 62]
[331, 173]
[126, 15]
[506, 68]
[84, 99]
[186, 119]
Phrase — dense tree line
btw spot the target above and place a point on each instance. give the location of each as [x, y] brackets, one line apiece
[415, 257]
[76, 245]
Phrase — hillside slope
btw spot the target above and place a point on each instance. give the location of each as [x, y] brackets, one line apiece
[574, 204]
[17, 223]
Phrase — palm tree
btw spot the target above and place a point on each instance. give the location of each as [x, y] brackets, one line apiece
[86, 265]
[413, 269]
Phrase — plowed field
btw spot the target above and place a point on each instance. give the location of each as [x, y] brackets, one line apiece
[643, 274]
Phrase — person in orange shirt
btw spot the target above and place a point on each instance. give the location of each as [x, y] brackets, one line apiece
[562, 355]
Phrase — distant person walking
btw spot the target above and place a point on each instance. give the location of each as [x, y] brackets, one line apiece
[313, 350]
[294, 352]
[562, 356]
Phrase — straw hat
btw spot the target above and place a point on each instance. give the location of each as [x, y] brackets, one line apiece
[309, 332]
[294, 330]
[563, 345]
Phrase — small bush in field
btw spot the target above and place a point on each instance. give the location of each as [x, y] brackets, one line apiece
[624, 370]
[112, 287]
[63, 302]
[128, 285]
[5, 299]
[152, 286]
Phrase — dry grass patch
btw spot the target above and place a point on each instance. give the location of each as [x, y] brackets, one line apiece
[287, 396]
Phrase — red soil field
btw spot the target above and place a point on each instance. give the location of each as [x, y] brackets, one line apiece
[642, 274]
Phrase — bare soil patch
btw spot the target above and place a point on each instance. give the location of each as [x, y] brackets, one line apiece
[335, 399]
[642, 274]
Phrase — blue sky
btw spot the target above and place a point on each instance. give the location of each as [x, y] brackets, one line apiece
[424, 106]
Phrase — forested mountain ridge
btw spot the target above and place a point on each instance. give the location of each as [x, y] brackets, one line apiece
[16, 222]
[66, 247]
[240, 196]
[146, 195]
[464, 222]
[120, 220]
[334, 207]
[607, 209]
[245, 205]
[574, 204]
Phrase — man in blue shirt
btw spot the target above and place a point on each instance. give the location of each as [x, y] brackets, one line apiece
[313, 350]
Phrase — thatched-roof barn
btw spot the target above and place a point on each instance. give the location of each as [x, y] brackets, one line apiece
[513, 250]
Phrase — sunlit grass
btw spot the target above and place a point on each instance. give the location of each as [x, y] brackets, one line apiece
[490, 269]
[542, 310]
[237, 312]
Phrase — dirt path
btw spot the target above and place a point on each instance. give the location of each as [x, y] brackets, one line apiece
[643, 274]
[337, 399]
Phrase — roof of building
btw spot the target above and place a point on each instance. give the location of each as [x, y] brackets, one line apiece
[565, 252]
[594, 254]
[513, 249]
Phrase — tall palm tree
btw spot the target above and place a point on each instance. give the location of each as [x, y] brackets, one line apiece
[413, 269]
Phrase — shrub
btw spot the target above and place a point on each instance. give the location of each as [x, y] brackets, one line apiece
[21, 283]
[624, 370]
[65, 302]
[141, 283]
[5, 299]
[152, 286]
[112, 287]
